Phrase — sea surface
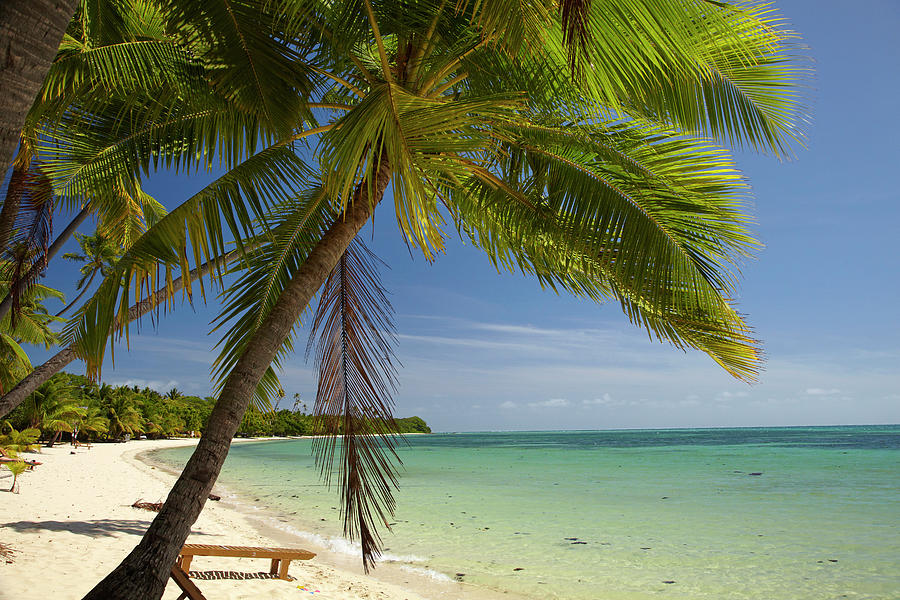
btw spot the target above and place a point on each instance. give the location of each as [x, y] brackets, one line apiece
[757, 513]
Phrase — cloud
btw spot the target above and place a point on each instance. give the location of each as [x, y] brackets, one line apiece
[509, 405]
[154, 384]
[822, 392]
[604, 400]
[551, 403]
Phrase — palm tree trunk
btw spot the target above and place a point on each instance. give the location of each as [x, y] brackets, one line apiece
[58, 361]
[78, 297]
[31, 31]
[144, 572]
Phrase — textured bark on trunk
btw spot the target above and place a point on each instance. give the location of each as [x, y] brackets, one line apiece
[11, 205]
[58, 361]
[144, 572]
[30, 33]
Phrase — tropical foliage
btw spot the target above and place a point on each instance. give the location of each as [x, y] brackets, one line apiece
[580, 150]
[74, 404]
[31, 326]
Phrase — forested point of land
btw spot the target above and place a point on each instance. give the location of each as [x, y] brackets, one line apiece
[70, 406]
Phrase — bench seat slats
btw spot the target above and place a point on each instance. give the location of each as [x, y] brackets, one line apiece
[245, 551]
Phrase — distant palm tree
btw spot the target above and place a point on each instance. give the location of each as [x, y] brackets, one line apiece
[53, 409]
[120, 409]
[98, 253]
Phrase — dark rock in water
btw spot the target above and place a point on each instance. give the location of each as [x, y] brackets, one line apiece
[460, 575]
[664, 498]
[570, 539]
[579, 543]
[820, 561]
[757, 473]
[646, 548]
[737, 471]
[518, 569]
[214, 497]
[668, 581]
[832, 560]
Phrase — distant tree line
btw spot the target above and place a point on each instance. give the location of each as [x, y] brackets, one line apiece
[68, 407]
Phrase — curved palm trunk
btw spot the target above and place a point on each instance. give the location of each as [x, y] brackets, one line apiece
[144, 572]
[78, 297]
[30, 31]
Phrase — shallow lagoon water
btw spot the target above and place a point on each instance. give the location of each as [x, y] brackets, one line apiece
[799, 513]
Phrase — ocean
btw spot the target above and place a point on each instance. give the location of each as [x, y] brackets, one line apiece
[795, 513]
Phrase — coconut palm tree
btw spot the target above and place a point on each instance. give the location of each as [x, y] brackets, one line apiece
[595, 171]
[119, 408]
[31, 327]
[98, 253]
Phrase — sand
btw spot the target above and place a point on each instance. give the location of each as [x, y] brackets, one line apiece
[71, 523]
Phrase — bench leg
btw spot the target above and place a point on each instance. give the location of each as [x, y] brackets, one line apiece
[283, 572]
[273, 569]
[186, 563]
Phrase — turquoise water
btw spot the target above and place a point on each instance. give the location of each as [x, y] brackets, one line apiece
[625, 515]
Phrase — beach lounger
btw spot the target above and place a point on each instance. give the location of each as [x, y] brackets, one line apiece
[281, 557]
[188, 588]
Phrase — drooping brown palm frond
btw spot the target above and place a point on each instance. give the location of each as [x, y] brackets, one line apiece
[31, 235]
[354, 342]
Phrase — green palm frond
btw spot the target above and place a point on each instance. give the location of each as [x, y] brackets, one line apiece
[352, 333]
[233, 203]
[296, 227]
[631, 212]
[245, 63]
[421, 139]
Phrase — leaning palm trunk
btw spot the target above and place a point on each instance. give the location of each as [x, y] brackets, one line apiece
[144, 572]
[31, 31]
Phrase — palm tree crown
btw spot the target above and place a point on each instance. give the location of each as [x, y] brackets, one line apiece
[596, 170]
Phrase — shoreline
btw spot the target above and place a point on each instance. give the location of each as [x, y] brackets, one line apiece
[73, 519]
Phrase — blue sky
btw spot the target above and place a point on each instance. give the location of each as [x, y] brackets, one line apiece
[485, 351]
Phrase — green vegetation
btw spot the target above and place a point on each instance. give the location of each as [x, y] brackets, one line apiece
[89, 412]
[582, 151]
[17, 469]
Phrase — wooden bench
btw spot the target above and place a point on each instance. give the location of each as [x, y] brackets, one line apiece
[188, 589]
[281, 557]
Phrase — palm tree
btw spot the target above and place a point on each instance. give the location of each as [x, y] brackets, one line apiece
[15, 441]
[31, 327]
[52, 409]
[98, 254]
[119, 408]
[590, 170]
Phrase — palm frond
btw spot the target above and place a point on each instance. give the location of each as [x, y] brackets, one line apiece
[352, 333]
[629, 212]
[234, 203]
[266, 271]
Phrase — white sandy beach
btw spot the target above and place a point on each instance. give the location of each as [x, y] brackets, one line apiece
[72, 522]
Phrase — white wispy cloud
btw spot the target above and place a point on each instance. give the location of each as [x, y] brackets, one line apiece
[822, 392]
[551, 403]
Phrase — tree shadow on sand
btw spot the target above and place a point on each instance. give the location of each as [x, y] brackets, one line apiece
[96, 528]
